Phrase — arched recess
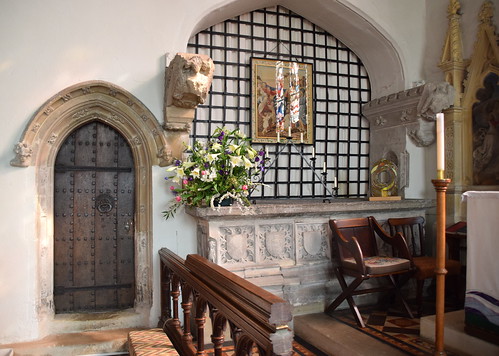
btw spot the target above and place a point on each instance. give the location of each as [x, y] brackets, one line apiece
[40, 142]
[368, 40]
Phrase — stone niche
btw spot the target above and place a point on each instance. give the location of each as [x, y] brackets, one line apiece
[399, 116]
[284, 246]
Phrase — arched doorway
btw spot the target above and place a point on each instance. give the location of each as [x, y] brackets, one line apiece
[68, 110]
[94, 187]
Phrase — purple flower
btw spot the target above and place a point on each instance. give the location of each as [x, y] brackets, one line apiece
[257, 159]
[261, 153]
[206, 165]
[177, 162]
[190, 178]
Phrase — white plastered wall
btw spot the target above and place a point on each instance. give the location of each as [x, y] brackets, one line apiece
[50, 45]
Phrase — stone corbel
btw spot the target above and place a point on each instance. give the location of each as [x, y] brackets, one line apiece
[23, 153]
[187, 82]
[414, 109]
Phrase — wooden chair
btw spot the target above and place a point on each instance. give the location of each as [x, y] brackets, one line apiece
[356, 253]
[413, 230]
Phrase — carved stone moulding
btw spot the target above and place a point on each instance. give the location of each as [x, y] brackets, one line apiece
[56, 119]
[84, 102]
[413, 109]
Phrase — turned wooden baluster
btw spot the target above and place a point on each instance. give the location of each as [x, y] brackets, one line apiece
[200, 322]
[186, 307]
[175, 293]
[218, 323]
[165, 293]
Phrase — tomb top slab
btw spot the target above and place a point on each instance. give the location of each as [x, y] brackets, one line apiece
[309, 208]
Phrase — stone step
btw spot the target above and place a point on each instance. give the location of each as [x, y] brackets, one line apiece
[107, 342]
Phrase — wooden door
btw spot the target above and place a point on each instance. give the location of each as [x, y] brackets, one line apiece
[94, 222]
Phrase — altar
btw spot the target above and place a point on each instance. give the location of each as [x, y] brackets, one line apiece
[283, 245]
[482, 282]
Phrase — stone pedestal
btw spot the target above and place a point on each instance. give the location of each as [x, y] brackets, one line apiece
[284, 247]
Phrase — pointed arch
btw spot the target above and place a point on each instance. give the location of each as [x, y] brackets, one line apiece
[371, 43]
[57, 118]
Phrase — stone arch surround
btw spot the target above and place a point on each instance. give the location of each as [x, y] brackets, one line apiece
[40, 142]
[370, 42]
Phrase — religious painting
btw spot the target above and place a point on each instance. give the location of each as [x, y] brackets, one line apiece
[281, 101]
[486, 133]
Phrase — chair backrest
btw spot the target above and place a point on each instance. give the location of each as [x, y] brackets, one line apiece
[361, 228]
[413, 230]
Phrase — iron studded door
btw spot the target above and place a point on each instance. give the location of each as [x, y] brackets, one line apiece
[94, 222]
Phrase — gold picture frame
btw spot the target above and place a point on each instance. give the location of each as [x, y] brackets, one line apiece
[266, 100]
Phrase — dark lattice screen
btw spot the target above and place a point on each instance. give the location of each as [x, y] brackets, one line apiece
[340, 88]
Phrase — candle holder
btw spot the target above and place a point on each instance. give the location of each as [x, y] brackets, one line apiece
[310, 162]
[440, 185]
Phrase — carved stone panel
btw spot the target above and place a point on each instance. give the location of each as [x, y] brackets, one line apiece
[312, 242]
[275, 242]
[237, 244]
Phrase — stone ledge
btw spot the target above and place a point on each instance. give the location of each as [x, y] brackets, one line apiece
[308, 208]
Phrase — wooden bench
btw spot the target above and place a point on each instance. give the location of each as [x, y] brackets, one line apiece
[198, 291]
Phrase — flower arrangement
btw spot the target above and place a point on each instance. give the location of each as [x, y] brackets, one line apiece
[224, 167]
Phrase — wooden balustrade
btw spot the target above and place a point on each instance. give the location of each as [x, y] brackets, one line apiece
[258, 320]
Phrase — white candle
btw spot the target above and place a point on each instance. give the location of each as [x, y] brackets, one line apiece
[289, 131]
[278, 136]
[301, 137]
[313, 152]
[335, 182]
[440, 143]
[324, 167]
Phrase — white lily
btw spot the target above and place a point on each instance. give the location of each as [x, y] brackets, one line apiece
[247, 163]
[212, 157]
[235, 160]
[252, 153]
[234, 148]
[216, 146]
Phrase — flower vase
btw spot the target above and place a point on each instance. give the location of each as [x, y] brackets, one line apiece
[225, 202]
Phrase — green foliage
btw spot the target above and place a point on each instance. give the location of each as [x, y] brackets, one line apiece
[225, 166]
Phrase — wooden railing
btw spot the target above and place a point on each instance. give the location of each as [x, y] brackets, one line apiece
[258, 320]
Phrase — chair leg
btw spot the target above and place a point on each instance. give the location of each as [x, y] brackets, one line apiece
[399, 293]
[419, 296]
[346, 293]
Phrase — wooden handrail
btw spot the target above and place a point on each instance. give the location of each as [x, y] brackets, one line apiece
[257, 318]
